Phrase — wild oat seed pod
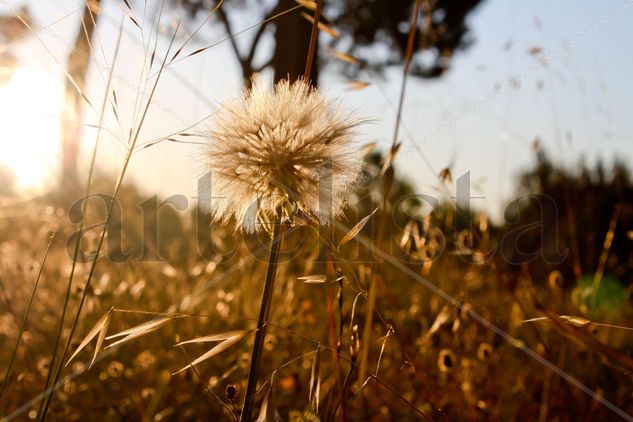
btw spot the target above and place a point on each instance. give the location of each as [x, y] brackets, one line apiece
[285, 150]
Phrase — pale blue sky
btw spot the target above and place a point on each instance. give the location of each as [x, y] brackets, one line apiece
[584, 108]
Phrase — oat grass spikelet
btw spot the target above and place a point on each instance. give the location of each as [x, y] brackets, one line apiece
[286, 149]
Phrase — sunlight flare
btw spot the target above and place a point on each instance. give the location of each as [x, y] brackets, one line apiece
[29, 133]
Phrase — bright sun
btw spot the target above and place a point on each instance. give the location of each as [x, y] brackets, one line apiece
[29, 130]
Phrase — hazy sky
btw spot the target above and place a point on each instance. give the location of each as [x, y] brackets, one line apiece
[579, 104]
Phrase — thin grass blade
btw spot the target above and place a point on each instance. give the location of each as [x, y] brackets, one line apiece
[102, 335]
[313, 279]
[322, 26]
[104, 321]
[357, 85]
[268, 411]
[216, 337]
[214, 351]
[356, 229]
[138, 331]
[345, 57]
[308, 4]
[315, 380]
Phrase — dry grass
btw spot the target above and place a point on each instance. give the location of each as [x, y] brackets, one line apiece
[432, 357]
[355, 329]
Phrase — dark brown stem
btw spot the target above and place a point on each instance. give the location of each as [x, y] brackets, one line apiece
[334, 339]
[264, 310]
[313, 40]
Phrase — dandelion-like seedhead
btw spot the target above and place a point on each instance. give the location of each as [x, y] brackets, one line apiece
[287, 150]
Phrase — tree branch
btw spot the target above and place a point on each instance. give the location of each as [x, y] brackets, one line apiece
[258, 36]
[263, 65]
[227, 27]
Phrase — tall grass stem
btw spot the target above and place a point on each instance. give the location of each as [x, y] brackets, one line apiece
[264, 311]
[26, 315]
[93, 160]
[388, 181]
[134, 139]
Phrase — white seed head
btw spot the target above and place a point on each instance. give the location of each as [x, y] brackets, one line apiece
[285, 150]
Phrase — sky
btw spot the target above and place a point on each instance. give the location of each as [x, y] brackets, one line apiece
[579, 104]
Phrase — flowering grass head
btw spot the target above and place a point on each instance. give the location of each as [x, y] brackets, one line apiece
[278, 153]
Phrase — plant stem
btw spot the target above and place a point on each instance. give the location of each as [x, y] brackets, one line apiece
[388, 178]
[335, 339]
[26, 315]
[60, 329]
[313, 40]
[264, 310]
[134, 136]
[604, 255]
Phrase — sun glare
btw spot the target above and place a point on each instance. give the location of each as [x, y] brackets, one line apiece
[29, 134]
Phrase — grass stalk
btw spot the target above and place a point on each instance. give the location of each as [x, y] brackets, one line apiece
[388, 181]
[335, 400]
[604, 255]
[313, 40]
[87, 189]
[335, 339]
[119, 183]
[264, 311]
[26, 315]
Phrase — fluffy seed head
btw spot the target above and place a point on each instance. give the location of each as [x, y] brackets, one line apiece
[285, 150]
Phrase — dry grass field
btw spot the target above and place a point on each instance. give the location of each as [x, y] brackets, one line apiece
[118, 305]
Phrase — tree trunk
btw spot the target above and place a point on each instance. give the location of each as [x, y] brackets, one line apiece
[77, 67]
[292, 40]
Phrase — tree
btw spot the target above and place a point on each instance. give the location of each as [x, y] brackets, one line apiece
[589, 203]
[373, 31]
[12, 29]
[372, 25]
[77, 68]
